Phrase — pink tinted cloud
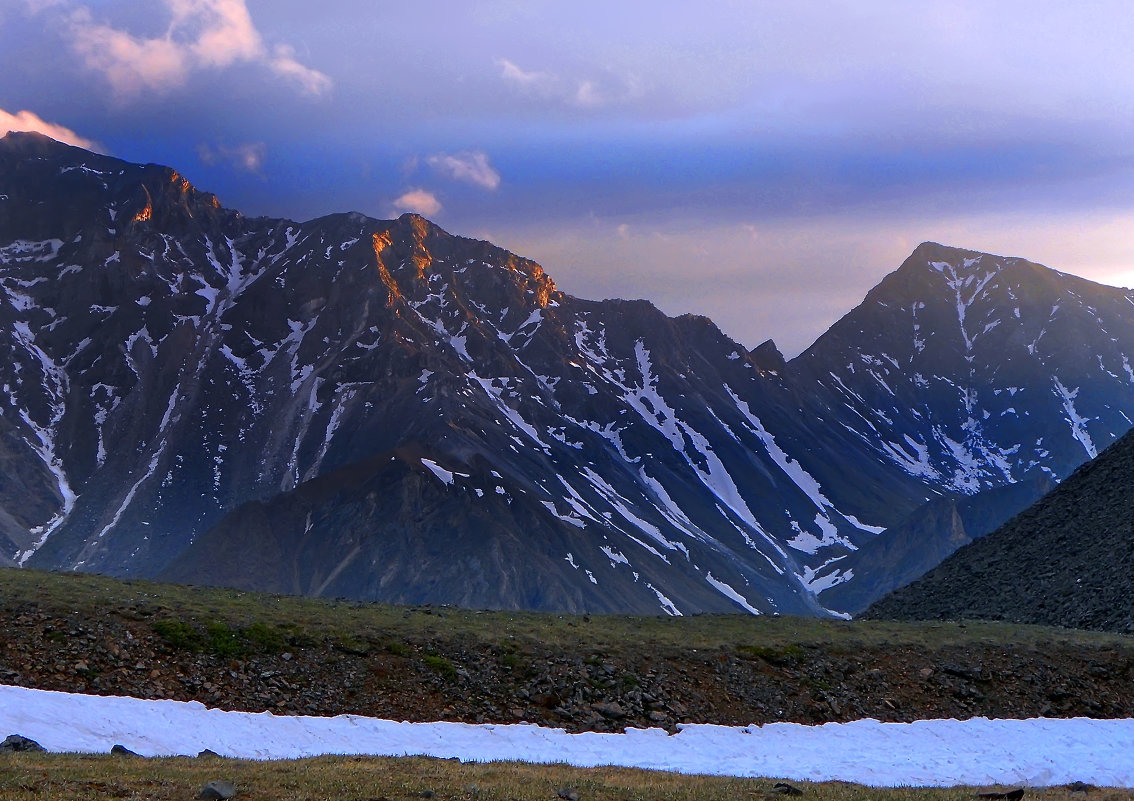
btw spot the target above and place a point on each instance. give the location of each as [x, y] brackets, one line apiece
[419, 201]
[28, 121]
[202, 34]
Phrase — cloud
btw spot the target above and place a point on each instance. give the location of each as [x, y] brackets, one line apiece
[202, 34]
[35, 6]
[469, 166]
[583, 93]
[27, 121]
[522, 78]
[419, 201]
[248, 156]
[283, 63]
[128, 63]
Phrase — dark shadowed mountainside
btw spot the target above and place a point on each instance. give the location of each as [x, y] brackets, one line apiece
[1066, 561]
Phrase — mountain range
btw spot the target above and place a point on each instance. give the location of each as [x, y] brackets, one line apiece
[380, 410]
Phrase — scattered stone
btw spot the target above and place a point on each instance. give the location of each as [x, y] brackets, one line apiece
[568, 793]
[1011, 795]
[671, 685]
[609, 709]
[121, 750]
[217, 791]
[963, 672]
[426, 794]
[1080, 787]
[208, 752]
[17, 742]
[783, 788]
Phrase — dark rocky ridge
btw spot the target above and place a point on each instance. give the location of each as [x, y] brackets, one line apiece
[381, 410]
[1065, 561]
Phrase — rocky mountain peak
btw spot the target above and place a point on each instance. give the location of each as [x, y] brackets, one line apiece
[32, 144]
[57, 191]
[768, 357]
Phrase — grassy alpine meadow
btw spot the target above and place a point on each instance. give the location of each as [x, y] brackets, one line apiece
[85, 594]
[54, 777]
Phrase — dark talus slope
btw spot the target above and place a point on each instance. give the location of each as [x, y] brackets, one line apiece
[919, 543]
[381, 410]
[970, 371]
[1065, 561]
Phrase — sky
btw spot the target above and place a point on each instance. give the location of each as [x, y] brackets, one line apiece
[762, 163]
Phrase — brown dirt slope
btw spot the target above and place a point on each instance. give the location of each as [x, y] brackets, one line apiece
[243, 651]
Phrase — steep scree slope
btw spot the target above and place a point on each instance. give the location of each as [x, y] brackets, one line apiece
[1065, 561]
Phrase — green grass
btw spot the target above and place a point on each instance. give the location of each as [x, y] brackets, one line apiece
[218, 638]
[219, 619]
[398, 648]
[266, 621]
[441, 665]
[773, 654]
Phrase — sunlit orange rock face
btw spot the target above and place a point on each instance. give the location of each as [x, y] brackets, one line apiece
[381, 241]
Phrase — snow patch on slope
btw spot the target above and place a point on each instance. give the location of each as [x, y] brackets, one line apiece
[1036, 752]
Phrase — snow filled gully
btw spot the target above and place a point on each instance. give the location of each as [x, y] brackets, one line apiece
[979, 751]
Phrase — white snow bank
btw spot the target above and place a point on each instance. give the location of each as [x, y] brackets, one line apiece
[929, 752]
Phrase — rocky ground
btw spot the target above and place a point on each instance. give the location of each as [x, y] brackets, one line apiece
[458, 675]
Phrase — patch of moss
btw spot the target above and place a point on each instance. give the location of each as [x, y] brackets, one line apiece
[179, 635]
[774, 655]
[441, 665]
[398, 648]
[264, 638]
[224, 641]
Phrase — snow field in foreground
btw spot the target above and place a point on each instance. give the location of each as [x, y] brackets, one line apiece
[979, 751]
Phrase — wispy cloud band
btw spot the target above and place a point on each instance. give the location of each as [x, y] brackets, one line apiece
[202, 34]
[469, 166]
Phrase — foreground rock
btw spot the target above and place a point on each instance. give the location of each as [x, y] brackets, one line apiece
[17, 742]
[217, 791]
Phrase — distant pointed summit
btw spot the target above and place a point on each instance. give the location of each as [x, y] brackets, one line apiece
[767, 356]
